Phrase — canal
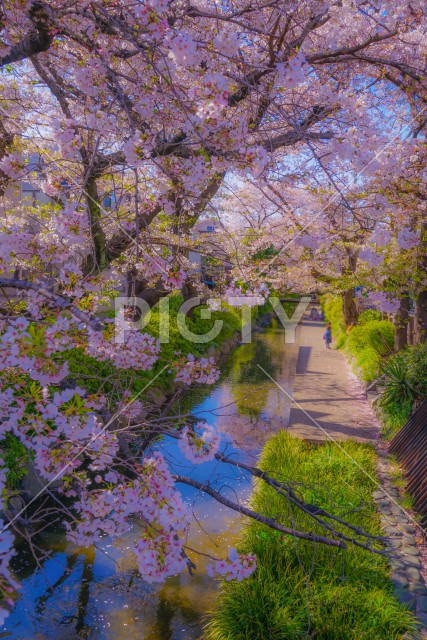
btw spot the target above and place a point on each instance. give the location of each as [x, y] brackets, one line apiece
[98, 595]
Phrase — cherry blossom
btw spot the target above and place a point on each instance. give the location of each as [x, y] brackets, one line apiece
[297, 126]
[384, 301]
[201, 371]
[235, 567]
[200, 442]
[408, 239]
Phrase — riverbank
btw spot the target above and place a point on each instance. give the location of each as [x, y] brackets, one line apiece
[302, 589]
[98, 377]
[330, 406]
[99, 592]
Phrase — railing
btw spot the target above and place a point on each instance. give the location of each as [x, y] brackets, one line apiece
[410, 447]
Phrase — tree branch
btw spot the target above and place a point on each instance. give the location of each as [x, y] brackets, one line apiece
[292, 137]
[55, 300]
[269, 522]
[37, 40]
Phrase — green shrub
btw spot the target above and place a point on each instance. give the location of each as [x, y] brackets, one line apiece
[405, 383]
[341, 340]
[332, 307]
[368, 362]
[302, 590]
[15, 457]
[417, 370]
[397, 390]
[397, 398]
[377, 334]
[369, 343]
[368, 315]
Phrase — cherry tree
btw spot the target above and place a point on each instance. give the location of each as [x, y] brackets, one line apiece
[138, 115]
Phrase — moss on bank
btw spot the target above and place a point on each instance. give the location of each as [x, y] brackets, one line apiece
[303, 590]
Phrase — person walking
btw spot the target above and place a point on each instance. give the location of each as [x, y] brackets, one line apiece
[327, 336]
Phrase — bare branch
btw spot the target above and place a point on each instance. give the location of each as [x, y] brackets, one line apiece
[206, 488]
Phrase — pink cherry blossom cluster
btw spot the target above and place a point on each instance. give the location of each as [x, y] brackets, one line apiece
[134, 150]
[12, 165]
[212, 93]
[134, 350]
[373, 258]
[407, 238]
[292, 73]
[68, 138]
[200, 442]
[160, 557]
[70, 275]
[384, 301]
[36, 305]
[254, 293]
[183, 50]
[152, 498]
[235, 567]
[15, 248]
[58, 426]
[87, 77]
[72, 225]
[172, 275]
[227, 44]
[202, 370]
[256, 158]
[128, 408]
[29, 348]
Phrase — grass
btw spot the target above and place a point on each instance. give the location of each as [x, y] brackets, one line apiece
[398, 478]
[302, 590]
[393, 419]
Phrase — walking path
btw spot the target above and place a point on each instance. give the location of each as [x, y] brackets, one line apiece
[327, 390]
[329, 393]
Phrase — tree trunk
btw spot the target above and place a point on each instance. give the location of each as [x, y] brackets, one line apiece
[421, 318]
[421, 306]
[151, 294]
[349, 307]
[401, 323]
[98, 261]
[190, 290]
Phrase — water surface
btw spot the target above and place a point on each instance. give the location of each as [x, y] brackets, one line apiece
[98, 595]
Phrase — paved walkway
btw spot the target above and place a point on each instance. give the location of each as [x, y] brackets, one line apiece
[327, 390]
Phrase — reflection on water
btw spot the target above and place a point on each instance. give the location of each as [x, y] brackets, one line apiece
[99, 594]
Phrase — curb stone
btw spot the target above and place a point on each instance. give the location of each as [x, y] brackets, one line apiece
[409, 586]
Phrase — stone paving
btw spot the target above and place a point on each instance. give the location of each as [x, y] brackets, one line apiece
[336, 409]
[325, 388]
[404, 538]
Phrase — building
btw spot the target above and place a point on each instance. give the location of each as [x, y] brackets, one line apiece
[210, 258]
[24, 192]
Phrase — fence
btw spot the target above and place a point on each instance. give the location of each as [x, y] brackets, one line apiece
[410, 447]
